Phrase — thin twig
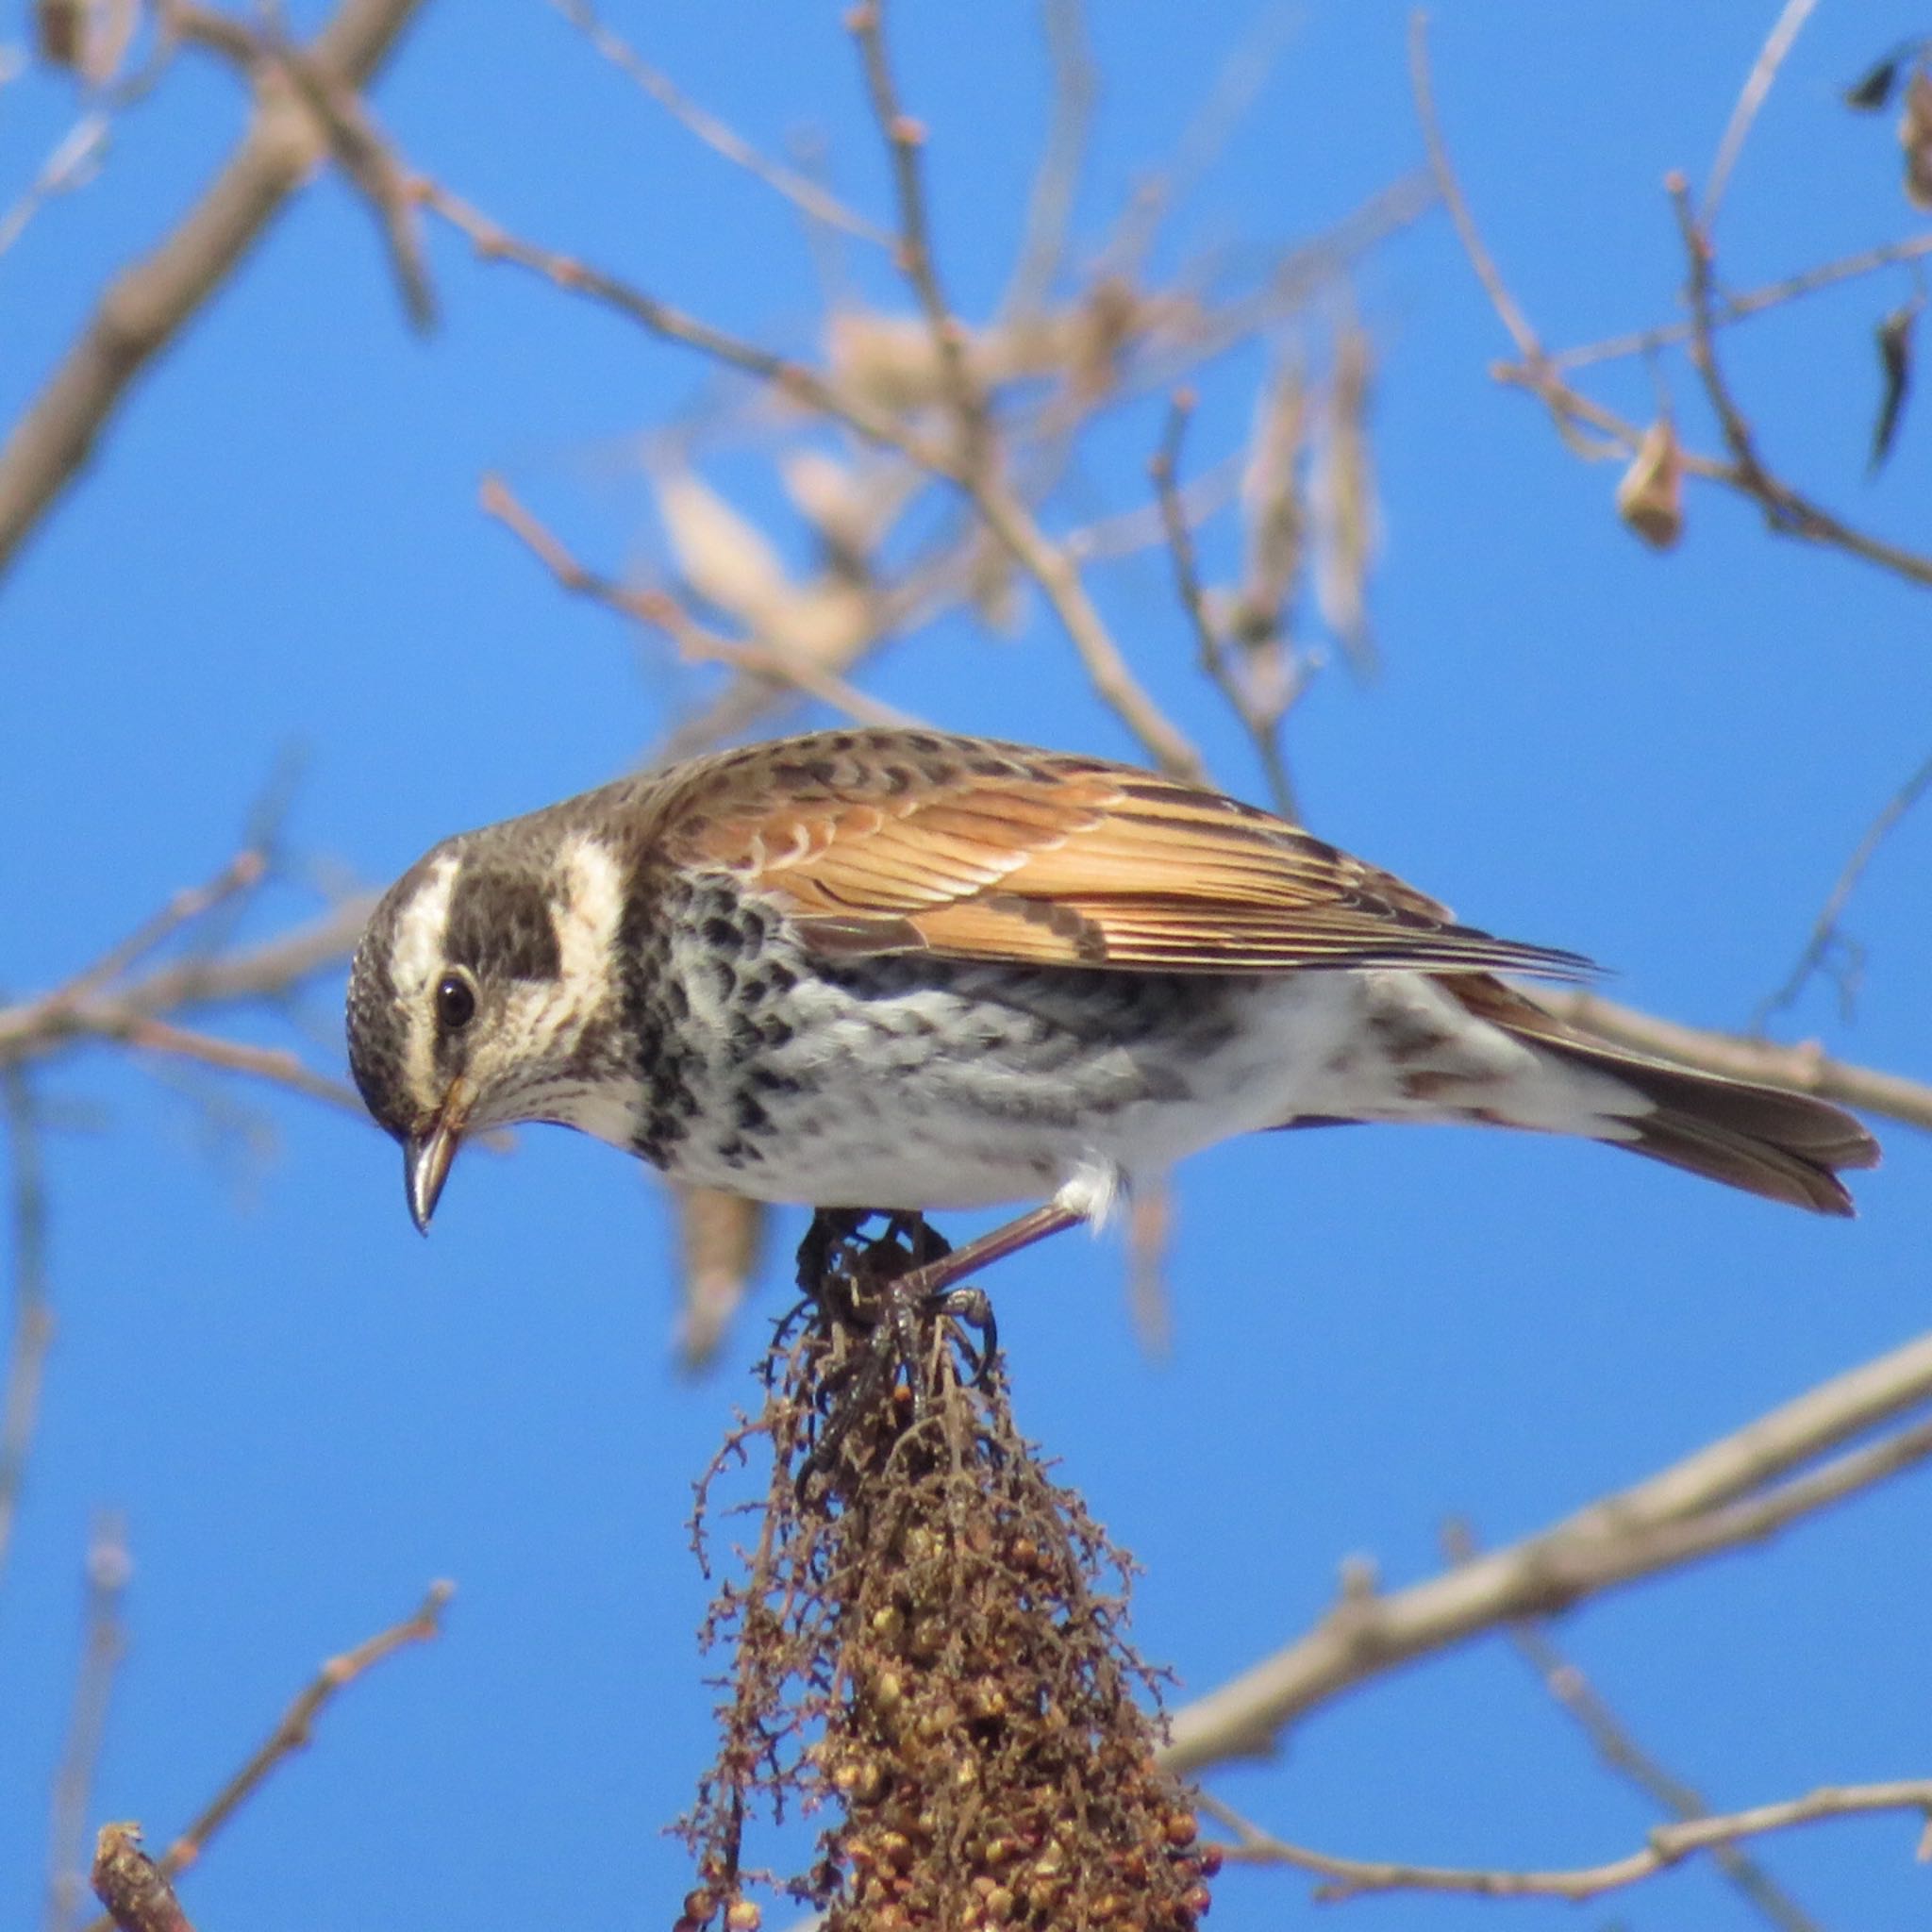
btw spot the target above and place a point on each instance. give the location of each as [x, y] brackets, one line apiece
[976, 469]
[1825, 928]
[1443, 173]
[771, 658]
[242, 873]
[1611, 1738]
[33, 1311]
[800, 190]
[104, 1644]
[1757, 86]
[1749, 302]
[1237, 84]
[1668, 1846]
[149, 303]
[276, 1065]
[795, 381]
[1056, 181]
[1264, 731]
[1046, 562]
[293, 1732]
[905, 140]
[270, 970]
[1569, 411]
[1786, 510]
[66, 169]
[1722, 1497]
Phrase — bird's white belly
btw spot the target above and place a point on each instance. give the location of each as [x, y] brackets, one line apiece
[975, 1090]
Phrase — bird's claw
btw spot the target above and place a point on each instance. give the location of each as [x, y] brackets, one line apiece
[878, 1285]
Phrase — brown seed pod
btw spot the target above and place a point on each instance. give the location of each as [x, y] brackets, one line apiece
[1650, 498]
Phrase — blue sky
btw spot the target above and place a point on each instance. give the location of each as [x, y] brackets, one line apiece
[307, 1412]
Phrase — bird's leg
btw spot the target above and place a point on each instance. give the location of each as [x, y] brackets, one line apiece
[1023, 1231]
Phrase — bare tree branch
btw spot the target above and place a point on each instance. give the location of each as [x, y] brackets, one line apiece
[1742, 305]
[293, 1732]
[1720, 1498]
[800, 190]
[1263, 726]
[150, 301]
[771, 658]
[33, 1313]
[1046, 562]
[104, 1644]
[1572, 1692]
[1758, 85]
[1670, 1844]
[1825, 928]
[1787, 511]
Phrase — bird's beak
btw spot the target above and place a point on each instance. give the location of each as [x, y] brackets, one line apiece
[426, 1155]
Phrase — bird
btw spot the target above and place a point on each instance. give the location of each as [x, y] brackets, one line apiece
[902, 971]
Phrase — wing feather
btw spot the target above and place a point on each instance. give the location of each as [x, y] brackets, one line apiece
[887, 841]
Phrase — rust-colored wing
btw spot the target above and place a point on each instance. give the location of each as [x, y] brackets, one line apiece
[889, 841]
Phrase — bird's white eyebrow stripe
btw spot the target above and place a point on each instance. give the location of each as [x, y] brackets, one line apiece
[422, 928]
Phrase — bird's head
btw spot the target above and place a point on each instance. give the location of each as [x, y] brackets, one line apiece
[484, 993]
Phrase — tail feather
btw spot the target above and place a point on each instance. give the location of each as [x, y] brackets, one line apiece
[1765, 1139]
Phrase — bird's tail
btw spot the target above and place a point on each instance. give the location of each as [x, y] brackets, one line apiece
[1765, 1139]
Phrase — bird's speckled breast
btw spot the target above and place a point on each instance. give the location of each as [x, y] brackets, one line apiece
[899, 1080]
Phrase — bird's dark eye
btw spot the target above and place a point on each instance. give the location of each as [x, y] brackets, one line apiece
[456, 1002]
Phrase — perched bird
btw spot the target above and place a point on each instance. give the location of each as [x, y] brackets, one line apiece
[897, 970]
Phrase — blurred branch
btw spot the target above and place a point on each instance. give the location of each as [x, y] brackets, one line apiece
[1805, 1068]
[800, 190]
[1787, 511]
[1056, 180]
[1528, 345]
[1740, 307]
[1758, 85]
[770, 658]
[71, 165]
[1824, 929]
[1720, 1498]
[1047, 563]
[293, 1732]
[151, 301]
[904, 139]
[721, 1241]
[1669, 1844]
[108, 1569]
[242, 873]
[33, 1312]
[1263, 726]
[102, 1003]
[1237, 86]
[1574, 1693]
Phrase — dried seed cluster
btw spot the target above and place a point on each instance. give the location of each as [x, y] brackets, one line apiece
[929, 1644]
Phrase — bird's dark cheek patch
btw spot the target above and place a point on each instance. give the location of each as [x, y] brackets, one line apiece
[499, 926]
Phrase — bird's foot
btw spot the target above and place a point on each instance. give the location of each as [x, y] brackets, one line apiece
[884, 1288]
